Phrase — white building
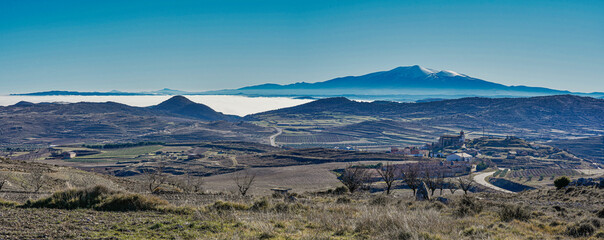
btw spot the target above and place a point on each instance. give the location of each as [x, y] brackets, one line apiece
[459, 157]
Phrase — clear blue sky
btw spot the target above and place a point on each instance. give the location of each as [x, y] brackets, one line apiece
[204, 45]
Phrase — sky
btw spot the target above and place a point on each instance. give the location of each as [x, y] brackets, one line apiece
[208, 45]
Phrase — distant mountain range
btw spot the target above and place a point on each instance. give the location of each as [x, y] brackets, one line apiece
[409, 83]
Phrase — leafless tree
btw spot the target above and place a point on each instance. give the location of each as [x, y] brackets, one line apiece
[452, 186]
[154, 176]
[354, 177]
[466, 183]
[36, 179]
[430, 180]
[388, 174]
[193, 184]
[244, 180]
[411, 177]
[440, 181]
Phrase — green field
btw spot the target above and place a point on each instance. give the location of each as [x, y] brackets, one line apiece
[117, 154]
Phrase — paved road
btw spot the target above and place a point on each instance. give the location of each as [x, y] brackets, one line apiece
[274, 136]
[481, 179]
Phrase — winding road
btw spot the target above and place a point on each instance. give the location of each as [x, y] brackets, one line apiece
[272, 138]
[481, 179]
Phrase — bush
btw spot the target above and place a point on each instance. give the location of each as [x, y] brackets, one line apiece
[340, 190]
[561, 182]
[289, 208]
[468, 206]
[601, 213]
[510, 212]
[99, 198]
[260, 205]
[130, 202]
[580, 230]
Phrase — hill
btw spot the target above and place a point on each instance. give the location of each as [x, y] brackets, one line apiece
[180, 105]
[589, 148]
[546, 117]
[176, 119]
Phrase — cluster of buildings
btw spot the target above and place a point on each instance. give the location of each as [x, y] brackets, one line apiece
[435, 149]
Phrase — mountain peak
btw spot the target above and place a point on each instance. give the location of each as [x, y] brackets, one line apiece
[176, 101]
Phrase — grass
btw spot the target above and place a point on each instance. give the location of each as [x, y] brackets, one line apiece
[121, 153]
[102, 213]
[99, 198]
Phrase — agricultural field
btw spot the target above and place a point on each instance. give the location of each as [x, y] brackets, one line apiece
[111, 155]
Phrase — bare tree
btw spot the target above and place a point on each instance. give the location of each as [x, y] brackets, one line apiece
[466, 183]
[154, 176]
[411, 177]
[388, 174]
[354, 177]
[430, 180]
[440, 181]
[452, 186]
[244, 180]
[193, 184]
[36, 179]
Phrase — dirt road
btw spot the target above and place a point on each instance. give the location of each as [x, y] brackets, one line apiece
[274, 136]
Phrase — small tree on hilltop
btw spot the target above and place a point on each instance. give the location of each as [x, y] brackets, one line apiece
[388, 175]
[354, 177]
[561, 182]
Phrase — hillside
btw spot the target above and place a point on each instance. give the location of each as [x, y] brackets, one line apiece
[547, 117]
[176, 119]
[180, 105]
[589, 148]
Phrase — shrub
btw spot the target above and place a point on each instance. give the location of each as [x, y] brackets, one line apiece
[340, 190]
[581, 230]
[130, 202]
[73, 198]
[561, 182]
[510, 212]
[289, 208]
[601, 213]
[468, 206]
[99, 198]
[260, 205]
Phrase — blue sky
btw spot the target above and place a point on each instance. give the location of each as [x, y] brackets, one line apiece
[205, 45]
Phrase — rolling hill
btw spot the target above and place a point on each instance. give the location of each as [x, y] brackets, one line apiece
[175, 120]
[546, 117]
